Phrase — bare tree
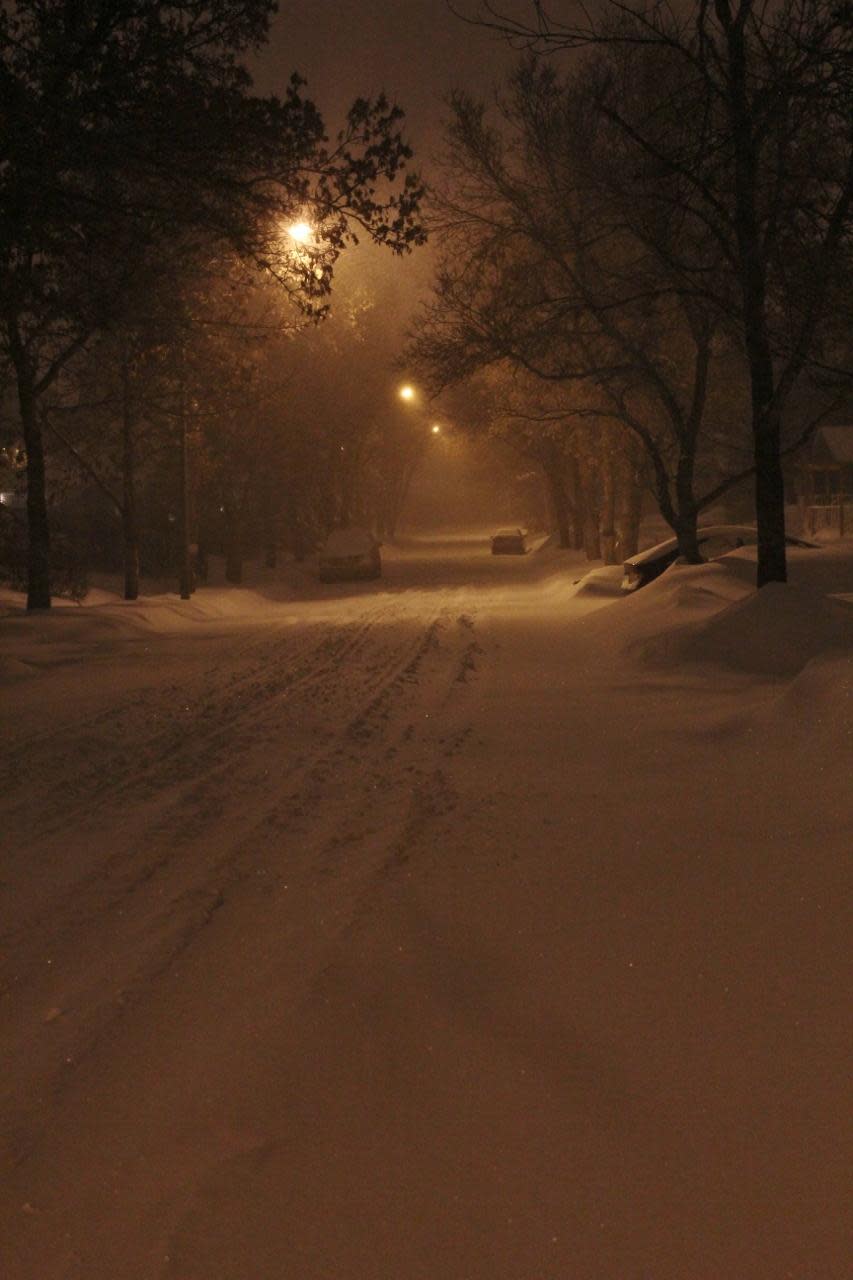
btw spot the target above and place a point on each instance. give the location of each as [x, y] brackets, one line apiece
[125, 128]
[547, 269]
[751, 135]
[588, 466]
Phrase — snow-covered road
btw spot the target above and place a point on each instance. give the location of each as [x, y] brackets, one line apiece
[412, 930]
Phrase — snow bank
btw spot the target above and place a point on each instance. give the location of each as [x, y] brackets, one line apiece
[815, 710]
[104, 623]
[774, 632]
[102, 610]
[606, 581]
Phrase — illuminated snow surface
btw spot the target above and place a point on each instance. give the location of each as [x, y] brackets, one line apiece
[472, 924]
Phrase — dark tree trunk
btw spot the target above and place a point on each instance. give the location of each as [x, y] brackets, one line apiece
[769, 489]
[687, 515]
[233, 544]
[128, 511]
[608, 510]
[131, 553]
[628, 541]
[185, 568]
[400, 496]
[630, 511]
[38, 528]
[295, 532]
[591, 538]
[233, 567]
[685, 531]
[630, 522]
[591, 525]
[578, 506]
[556, 482]
[769, 503]
[201, 561]
[271, 508]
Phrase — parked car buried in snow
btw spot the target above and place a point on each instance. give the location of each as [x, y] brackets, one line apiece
[714, 540]
[349, 554]
[509, 542]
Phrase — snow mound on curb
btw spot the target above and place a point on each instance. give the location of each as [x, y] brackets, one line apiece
[606, 581]
[772, 632]
[108, 611]
[13, 668]
[544, 542]
[105, 625]
[816, 708]
[693, 588]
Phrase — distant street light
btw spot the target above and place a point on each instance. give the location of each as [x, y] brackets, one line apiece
[436, 429]
[407, 392]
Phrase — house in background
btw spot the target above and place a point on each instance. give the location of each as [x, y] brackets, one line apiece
[825, 480]
[13, 488]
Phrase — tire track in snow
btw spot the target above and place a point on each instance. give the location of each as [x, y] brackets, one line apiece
[372, 846]
[179, 900]
[358, 705]
[157, 899]
[88, 765]
[173, 815]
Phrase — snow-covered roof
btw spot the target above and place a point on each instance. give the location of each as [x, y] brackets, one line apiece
[745, 531]
[833, 444]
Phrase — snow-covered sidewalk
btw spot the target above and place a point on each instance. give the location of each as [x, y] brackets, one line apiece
[481, 925]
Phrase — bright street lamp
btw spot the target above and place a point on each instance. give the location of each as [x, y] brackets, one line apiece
[436, 429]
[407, 392]
[300, 232]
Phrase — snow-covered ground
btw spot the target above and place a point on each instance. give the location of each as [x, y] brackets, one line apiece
[474, 924]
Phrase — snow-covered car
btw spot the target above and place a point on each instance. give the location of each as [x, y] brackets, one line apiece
[509, 542]
[714, 540]
[349, 553]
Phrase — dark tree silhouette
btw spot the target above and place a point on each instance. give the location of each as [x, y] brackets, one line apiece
[548, 267]
[753, 138]
[129, 124]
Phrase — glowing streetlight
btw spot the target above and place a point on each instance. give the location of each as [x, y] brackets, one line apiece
[407, 392]
[300, 232]
[435, 429]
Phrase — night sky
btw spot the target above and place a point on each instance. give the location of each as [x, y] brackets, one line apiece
[416, 50]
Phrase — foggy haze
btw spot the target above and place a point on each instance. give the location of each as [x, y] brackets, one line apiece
[464, 484]
[425, 819]
[416, 52]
